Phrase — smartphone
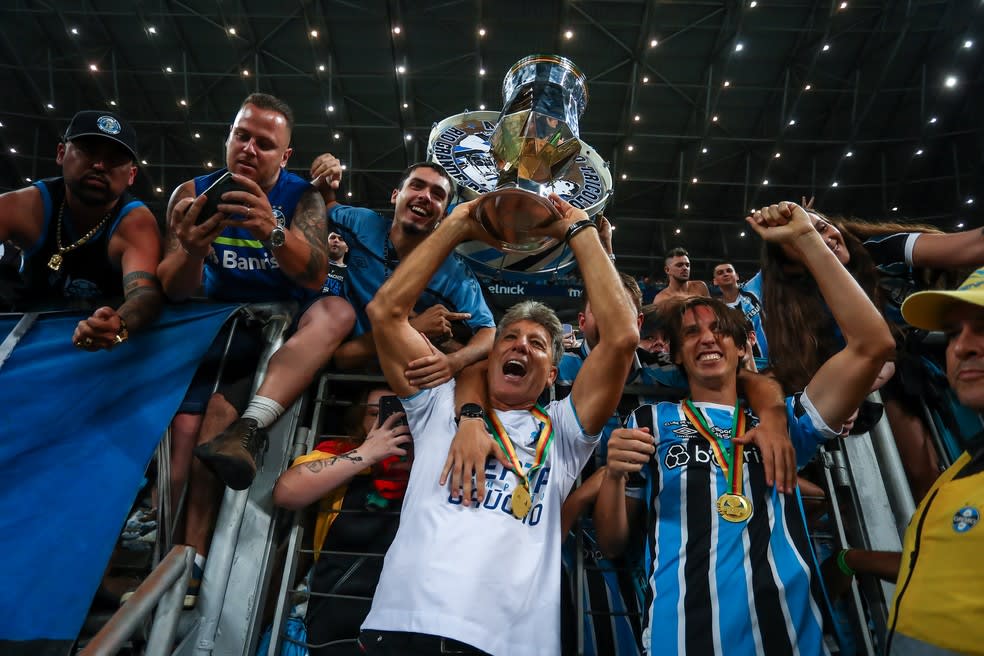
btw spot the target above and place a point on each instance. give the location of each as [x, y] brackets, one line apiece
[389, 405]
[223, 184]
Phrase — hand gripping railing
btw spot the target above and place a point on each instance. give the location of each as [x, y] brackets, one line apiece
[164, 590]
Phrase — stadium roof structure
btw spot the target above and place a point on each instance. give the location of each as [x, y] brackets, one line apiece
[703, 109]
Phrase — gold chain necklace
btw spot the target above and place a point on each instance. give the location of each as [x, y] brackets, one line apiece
[55, 261]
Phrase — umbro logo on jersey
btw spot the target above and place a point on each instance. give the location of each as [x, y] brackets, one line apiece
[684, 431]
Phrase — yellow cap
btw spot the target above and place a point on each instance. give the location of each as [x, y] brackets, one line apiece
[926, 309]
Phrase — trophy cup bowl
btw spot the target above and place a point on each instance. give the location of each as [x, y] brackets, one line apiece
[533, 144]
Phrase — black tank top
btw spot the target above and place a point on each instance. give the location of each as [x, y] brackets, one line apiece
[87, 278]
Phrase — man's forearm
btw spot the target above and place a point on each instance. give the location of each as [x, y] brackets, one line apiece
[302, 263]
[476, 349]
[764, 394]
[471, 386]
[180, 274]
[304, 256]
[141, 308]
[610, 518]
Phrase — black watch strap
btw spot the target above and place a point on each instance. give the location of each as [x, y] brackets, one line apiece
[471, 411]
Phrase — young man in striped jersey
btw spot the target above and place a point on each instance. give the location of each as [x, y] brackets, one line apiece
[728, 556]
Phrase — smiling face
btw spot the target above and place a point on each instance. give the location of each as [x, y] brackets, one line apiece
[520, 365]
[97, 171]
[258, 145]
[725, 276]
[831, 236]
[706, 347]
[964, 326]
[421, 202]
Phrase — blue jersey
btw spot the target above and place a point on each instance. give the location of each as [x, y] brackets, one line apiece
[750, 303]
[893, 258]
[717, 587]
[372, 259]
[243, 268]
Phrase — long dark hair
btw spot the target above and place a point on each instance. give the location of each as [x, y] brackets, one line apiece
[799, 328]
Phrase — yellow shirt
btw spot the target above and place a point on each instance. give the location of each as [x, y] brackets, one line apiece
[939, 596]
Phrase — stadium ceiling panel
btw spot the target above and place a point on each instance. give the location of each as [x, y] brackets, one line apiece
[702, 109]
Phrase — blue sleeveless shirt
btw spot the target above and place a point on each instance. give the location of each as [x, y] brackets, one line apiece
[242, 268]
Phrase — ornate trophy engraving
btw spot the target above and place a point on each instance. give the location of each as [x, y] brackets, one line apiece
[512, 161]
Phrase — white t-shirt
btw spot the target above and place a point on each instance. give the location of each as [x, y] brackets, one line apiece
[478, 574]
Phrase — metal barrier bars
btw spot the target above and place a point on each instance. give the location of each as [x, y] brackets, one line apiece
[163, 589]
[217, 603]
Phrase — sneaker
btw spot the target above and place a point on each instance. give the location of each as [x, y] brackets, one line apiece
[191, 593]
[194, 587]
[140, 531]
[232, 455]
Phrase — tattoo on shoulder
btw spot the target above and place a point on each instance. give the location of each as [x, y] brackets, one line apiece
[318, 465]
[134, 282]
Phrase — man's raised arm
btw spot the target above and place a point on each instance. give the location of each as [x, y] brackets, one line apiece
[397, 342]
[598, 386]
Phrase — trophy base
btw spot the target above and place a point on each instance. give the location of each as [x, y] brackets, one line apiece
[511, 215]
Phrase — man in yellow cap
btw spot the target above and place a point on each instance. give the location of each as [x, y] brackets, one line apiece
[939, 597]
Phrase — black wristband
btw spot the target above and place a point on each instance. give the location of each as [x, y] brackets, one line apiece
[470, 411]
[577, 227]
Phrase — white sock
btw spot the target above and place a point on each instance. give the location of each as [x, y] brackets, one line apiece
[265, 411]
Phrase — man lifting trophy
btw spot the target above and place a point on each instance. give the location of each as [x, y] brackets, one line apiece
[515, 159]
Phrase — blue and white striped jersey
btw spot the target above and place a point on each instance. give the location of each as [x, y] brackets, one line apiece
[716, 587]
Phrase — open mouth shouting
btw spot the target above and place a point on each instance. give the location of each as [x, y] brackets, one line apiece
[514, 370]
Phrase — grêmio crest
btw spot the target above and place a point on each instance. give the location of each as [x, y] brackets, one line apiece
[461, 145]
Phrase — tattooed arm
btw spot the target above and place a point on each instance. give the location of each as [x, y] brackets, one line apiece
[306, 482]
[136, 245]
[139, 258]
[308, 265]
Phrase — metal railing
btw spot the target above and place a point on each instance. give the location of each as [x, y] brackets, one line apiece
[164, 590]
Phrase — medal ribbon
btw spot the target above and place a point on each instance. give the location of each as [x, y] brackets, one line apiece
[730, 456]
[543, 442]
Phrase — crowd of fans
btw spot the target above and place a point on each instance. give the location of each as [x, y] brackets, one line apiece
[649, 460]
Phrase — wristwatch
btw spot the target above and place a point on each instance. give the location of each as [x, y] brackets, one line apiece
[278, 237]
[471, 411]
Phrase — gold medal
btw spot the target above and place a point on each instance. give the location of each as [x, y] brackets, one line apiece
[521, 502]
[734, 507]
[54, 262]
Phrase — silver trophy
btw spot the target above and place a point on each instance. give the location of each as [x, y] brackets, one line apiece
[533, 144]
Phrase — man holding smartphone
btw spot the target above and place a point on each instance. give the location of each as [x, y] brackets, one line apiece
[266, 241]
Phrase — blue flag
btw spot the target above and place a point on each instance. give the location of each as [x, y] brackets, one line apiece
[77, 430]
